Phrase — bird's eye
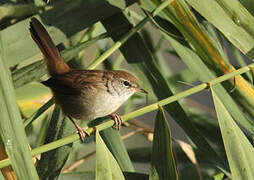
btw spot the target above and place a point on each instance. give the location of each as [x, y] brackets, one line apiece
[126, 83]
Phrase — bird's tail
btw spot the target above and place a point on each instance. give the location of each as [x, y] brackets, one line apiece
[55, 62]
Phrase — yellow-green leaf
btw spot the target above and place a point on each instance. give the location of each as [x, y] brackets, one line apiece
[106, 165]
[238, 149]
[232, 19]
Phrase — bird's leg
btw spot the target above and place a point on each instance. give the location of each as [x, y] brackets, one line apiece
[118, 120]
[82, 132]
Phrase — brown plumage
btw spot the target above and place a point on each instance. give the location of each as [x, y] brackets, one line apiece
[55, 62]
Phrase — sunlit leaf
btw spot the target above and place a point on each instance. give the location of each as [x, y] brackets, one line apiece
[114, 142]
[238, 149]
[11, 127]
[118, 3]
[232, 19]
[106, 165]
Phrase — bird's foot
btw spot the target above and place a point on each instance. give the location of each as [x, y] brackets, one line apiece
[118, 121]
[82, 133]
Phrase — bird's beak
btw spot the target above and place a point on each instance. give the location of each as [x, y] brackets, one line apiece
[142, 90]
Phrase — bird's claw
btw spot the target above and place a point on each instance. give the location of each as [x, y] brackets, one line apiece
[118, 121]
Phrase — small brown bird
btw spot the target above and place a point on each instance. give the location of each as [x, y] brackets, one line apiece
[83, 94]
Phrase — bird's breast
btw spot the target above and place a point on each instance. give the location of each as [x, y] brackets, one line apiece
[90, 105]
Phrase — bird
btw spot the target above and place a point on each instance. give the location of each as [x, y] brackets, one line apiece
[83, 94]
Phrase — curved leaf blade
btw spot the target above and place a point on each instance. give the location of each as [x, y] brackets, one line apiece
[11, 127]
[163, 163]
[232, 19]
[106, 165]
[238, 149]
[115, 144]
